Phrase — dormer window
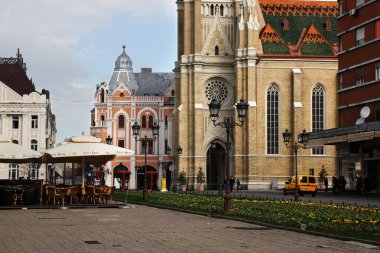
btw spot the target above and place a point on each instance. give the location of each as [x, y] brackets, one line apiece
[121, 94]
[285, 24]
[327, 25]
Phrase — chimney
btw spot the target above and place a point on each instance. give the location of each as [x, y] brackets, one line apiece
[146, 70]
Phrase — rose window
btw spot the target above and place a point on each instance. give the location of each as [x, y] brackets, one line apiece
[216, 89]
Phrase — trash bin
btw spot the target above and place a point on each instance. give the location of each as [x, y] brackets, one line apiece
[274, 184]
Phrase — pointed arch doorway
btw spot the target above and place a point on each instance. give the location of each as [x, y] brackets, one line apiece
[216, 164]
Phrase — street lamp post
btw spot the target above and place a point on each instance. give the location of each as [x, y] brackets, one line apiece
[300, 143]
[228, 124]
[136, 131]
[179, 152]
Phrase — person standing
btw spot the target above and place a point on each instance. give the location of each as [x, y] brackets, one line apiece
[326, 182]
[358, 185]
[237, 184]
[366, 186]
[334, 184]
[232, 182]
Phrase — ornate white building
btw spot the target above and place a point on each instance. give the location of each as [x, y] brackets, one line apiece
[25, 115]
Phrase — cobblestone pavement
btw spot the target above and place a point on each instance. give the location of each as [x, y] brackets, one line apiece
[146, 229]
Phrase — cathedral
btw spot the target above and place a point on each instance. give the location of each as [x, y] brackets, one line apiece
[281, 58]
[145, 98]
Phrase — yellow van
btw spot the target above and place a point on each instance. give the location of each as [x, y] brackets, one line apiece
[306, 184]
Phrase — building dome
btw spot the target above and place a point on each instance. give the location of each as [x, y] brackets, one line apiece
[123, 61]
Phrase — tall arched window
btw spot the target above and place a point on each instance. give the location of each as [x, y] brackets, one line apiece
[150, 121]
[101, 96]
[221, 10]
[121, 121]
[143, 121]
[318, 113]
[216, 50]
[212, 10]
[33, 145]
[102, 120]
[272, 119]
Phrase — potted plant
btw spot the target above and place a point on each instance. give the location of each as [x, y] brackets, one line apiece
[201, 180]
[182, 180]
[322, 176]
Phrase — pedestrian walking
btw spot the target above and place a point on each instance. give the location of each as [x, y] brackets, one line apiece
[334, 184]
[232, 182]
[358, 185]
[342, 184]
[237, 184]
[326, 182]
[366, 186]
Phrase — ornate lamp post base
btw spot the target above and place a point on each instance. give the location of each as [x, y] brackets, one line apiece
[228, 202]
[296, 197]
[145, 194]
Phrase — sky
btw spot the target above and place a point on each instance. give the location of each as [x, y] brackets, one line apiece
[71, 46]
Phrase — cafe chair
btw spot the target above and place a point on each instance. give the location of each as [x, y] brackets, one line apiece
[107, 195]
[54, 195]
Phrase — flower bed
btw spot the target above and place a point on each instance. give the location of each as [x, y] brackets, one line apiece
[341, 220]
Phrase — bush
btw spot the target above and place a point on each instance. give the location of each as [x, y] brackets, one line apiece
[201, 176]
[322, 174]
[182, 179]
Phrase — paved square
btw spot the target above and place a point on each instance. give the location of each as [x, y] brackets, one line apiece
[146, 229]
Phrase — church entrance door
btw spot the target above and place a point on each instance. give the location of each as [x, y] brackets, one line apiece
[216, 167]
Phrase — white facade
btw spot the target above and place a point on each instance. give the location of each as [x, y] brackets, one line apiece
[29, 121]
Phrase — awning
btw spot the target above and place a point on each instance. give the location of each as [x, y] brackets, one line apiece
[361, 136]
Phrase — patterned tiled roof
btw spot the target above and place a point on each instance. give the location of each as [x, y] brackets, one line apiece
[13, 74]
[307, 32]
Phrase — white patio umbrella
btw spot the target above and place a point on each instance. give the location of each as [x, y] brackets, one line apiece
[14, 153]
[84, 149]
